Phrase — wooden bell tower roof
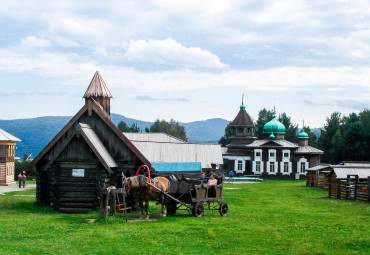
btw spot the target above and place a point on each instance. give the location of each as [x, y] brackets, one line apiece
[242, 119]
[97, 87]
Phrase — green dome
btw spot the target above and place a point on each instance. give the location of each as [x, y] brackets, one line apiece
[274, 126]
[242, 107]
[303, 135]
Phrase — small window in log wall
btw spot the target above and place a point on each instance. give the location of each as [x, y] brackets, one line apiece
[78, 172]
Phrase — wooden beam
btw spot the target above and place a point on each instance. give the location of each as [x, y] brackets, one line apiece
[59, 150]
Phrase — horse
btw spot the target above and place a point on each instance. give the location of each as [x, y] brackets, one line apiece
[147, 192]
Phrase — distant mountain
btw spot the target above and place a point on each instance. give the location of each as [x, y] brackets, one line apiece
[36, 133]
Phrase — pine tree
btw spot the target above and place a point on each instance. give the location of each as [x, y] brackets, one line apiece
[225, 140]
[327, 134]
[264, 116]
[290, 128]
[172, 128]
[336, 153]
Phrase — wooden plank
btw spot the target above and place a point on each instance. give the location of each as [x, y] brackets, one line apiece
[77, 179]
[77, 189]
[78, 184]
[74, 210]
[77, 205]
[77, 194]
[72, 199]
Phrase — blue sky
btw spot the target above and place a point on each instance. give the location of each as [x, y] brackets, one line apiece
[187, 60]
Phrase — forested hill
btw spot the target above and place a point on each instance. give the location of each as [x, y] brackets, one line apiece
[36, 133]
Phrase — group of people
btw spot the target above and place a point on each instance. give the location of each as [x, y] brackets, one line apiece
[22, 179]
[209, 182]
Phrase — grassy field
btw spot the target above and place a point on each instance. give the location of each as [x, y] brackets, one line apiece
[272, 217]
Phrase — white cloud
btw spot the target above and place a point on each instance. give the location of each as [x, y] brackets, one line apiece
[35, 42]
[77, 31]
[170, 52]
[75, 69]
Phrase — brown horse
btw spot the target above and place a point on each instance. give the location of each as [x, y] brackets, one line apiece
[146, 192]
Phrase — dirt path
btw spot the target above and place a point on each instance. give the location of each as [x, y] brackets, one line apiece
[14, 187]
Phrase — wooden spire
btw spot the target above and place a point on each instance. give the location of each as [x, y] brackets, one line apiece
[99, 92]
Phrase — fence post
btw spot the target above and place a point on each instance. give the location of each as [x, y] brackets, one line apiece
[368, 188]
[356, 181]
[348, 186]
[338, 189]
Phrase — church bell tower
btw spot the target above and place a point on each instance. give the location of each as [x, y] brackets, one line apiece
[98, 91]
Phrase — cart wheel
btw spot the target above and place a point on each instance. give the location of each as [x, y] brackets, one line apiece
[171, 208]
[198, 209]
[224, 209]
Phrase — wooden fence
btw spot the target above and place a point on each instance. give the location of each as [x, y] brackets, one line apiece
[351, 188]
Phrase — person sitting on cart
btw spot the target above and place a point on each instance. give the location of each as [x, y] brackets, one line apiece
[202, 177]
[213, 180]
[211, 185]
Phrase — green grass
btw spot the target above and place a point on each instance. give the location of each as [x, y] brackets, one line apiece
[272, 217]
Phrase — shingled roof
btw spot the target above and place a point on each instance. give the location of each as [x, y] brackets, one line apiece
[242, 119]
[97, 87]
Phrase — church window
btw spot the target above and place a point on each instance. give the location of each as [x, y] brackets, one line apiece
[272, 154]
[286, 155]
[303, 167]
[272, 167]
[240, 165]
[258, 154]
[286, 167]
[258, 166]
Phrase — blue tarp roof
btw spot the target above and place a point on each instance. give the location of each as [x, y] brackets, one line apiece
[177, 167]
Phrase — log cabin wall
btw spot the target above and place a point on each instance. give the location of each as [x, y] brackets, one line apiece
[333, 186]
[348, 188]
[322, 181]
[317, 179]
[363, 190]
[7, 154]
[57, 187]
[311, 179]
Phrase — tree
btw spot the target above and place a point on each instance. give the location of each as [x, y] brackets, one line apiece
[25, 166]
[125, 128]
[264, 116]
[327, 134]
[224, 140]
[172, 128]
[336, 148]
[355, 138]
[290, 128]
[134, 128]
[365, 134]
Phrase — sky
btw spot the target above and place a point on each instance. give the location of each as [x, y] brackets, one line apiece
[188, 60]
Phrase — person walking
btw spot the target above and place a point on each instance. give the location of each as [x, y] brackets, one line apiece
[24, 178]
[20, 178]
